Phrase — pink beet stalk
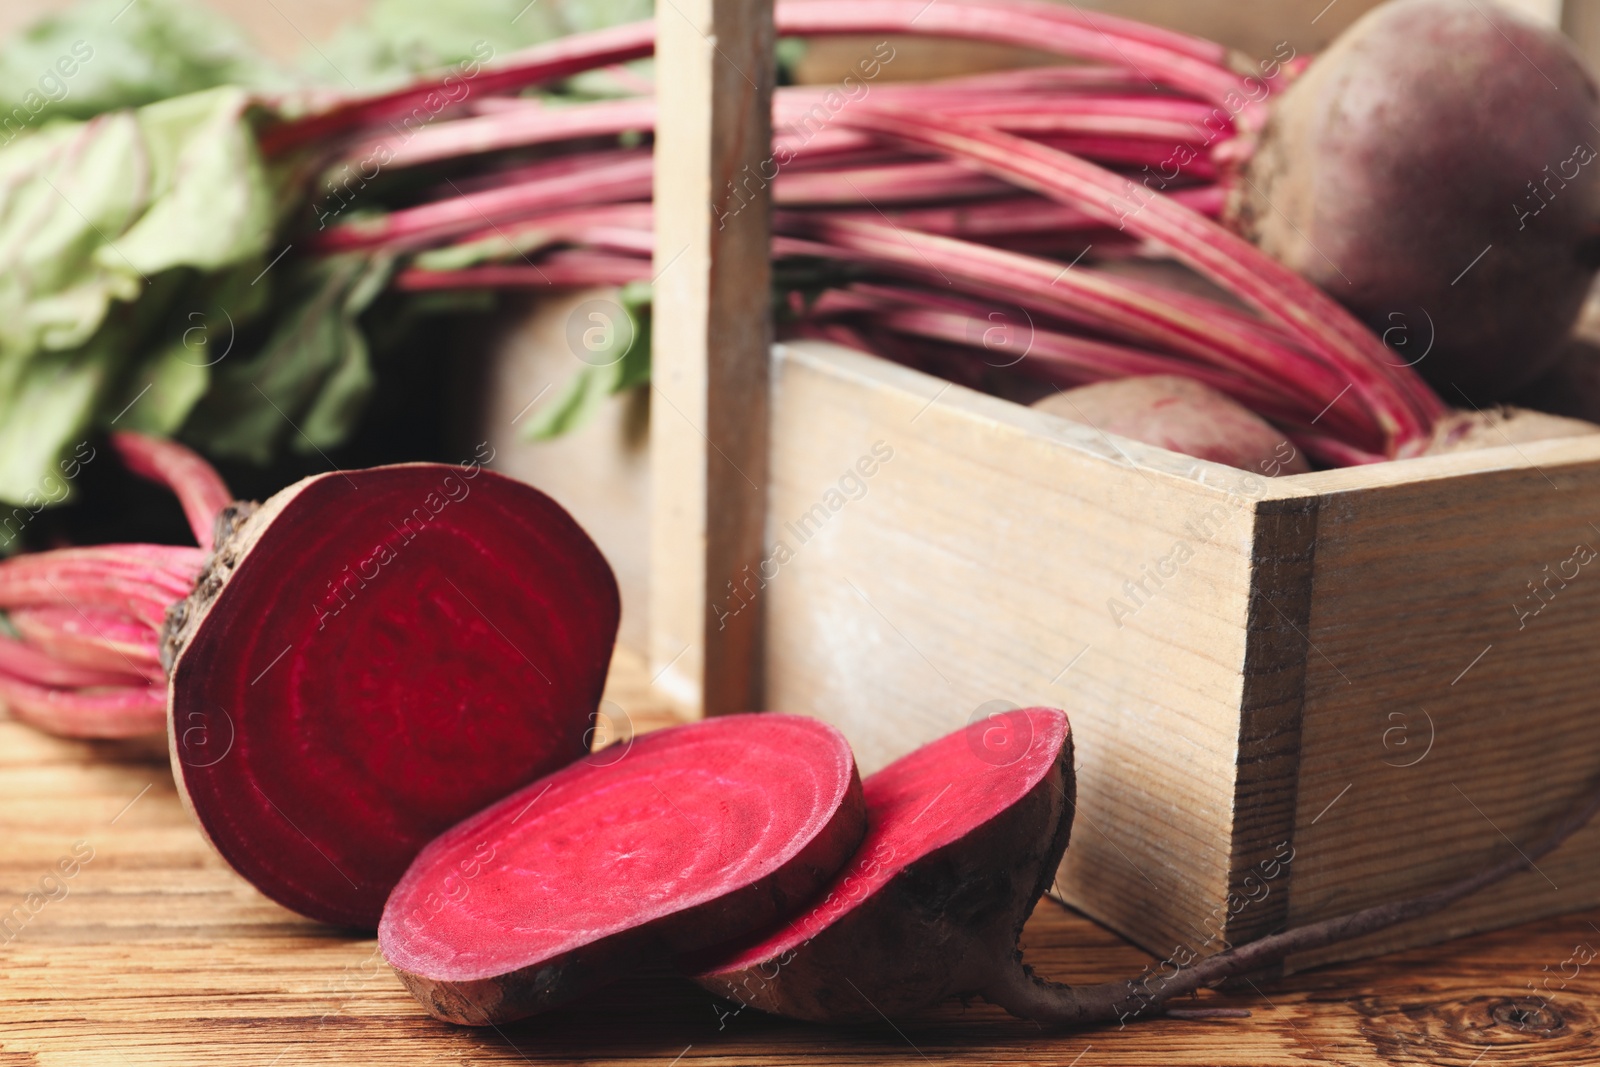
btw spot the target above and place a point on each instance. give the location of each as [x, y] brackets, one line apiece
[1094, 300]
[570, 273]
[1114, 26]
[922, 181]
[120, 711]
[35, 580]
[523, 125]
[1174, 323]
[1055, 357]
[91, 637]
[86, 662]
[26, 663]
[1160, 56]
[1150, 95]
[1020, 215]
[1165, 58]
[1065, 360]
[624, 227]
[608, 176]
[548, 62]
[1404, 406]
[197, 486]
[952, 318]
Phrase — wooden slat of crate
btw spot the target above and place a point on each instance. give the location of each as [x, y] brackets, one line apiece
[712, 278]
[982, 561]
[977, 567]
[1416, 572]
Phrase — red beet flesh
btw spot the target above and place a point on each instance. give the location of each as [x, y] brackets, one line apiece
[1436, 172]
[963, 837]
[369, 658]
[684, 840]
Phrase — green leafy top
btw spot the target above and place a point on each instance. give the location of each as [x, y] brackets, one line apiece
[99, 215]
[143, 281]
[398, 39]
[102, 55]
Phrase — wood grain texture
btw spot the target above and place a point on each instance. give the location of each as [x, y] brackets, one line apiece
[1243, 706]
[980, 570]
[158, 956]
[1270, 710]
[1418, 640]
[996, 557]
[708, 428]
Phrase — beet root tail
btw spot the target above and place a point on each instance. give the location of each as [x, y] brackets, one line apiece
[1022, 993]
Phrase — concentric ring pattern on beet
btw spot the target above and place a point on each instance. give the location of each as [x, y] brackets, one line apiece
[695, 836]
[372, 656]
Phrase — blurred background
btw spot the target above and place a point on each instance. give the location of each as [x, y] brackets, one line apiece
[282, 27]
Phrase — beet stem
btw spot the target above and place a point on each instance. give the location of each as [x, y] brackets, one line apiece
[1161, 56]
[27, 663]
[1315, 350]
[1405, 406]
[1127, 129]
[61, 677]
[1022, 993]
[604, 176]
[112, 712]
[198, 487]
[80, 638]
[1098, 300]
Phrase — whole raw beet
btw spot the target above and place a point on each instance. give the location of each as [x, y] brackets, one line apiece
[1436, 172]
[1181, 415]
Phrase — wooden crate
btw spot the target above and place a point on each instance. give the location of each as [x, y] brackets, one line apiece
[1291, 698]
[1350, 664]
[1330, 666]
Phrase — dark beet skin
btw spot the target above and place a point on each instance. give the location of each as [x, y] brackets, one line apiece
[372, 656]
[964, 836]
[1405, 151]
[1572, 386]
[1182, 415]
[658, 850]
[1469, 431]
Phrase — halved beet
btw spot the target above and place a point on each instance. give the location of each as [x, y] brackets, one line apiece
[963, 837]
[368, 658]
[687, 839]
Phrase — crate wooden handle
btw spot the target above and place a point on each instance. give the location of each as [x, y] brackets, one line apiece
[710, 349]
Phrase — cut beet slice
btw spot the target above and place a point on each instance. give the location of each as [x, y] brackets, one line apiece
[692, 837]
[371, 656]
[963, 837]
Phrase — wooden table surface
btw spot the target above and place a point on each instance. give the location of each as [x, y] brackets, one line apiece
[153, 952]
